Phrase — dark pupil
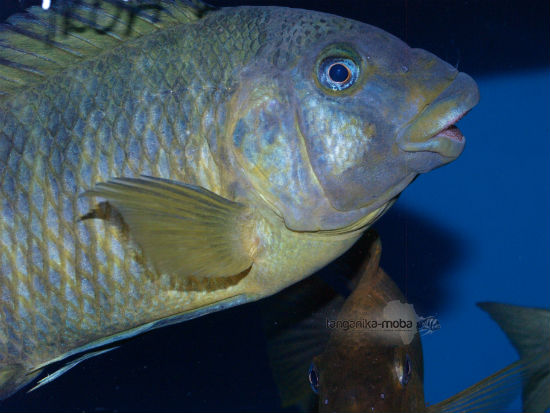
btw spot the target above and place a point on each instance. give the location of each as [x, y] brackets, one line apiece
[338, 73]
[408, 370]
[313, 378]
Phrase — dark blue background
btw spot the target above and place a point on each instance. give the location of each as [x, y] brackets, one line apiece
[477, 229]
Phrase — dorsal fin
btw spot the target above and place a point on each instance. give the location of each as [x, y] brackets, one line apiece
[38, 43]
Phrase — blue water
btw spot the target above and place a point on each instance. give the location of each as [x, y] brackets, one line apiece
[475, 230]
[492, 205]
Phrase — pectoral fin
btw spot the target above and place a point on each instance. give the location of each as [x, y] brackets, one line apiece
[183, 229]
[294, 323]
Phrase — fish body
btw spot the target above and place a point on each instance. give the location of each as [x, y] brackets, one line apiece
[372, 368]
[390, 375]
[160, 167]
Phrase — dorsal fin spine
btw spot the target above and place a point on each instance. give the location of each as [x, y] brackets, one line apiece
[31, 46]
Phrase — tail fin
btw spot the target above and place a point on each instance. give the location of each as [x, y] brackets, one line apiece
[528, 329]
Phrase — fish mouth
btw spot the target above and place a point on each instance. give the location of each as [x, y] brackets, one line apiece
[434, 129]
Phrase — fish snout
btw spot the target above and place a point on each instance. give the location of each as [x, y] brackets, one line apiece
[434, 128]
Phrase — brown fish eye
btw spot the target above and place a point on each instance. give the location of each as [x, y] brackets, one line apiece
[337, 73]
[407, 371]
[313, 377]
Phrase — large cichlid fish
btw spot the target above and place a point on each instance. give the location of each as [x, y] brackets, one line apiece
[362, 353]
[163, 160]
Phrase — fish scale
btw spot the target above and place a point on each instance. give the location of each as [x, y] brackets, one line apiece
[190, 163]
[67, 122]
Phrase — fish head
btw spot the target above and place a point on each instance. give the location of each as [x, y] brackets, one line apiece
[344, 116]
[372, 361]
[357, 376]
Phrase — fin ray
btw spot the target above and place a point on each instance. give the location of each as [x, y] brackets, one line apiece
[13, 378]
[51, 377]
[490, 394]
[528, 329]
[37, 41]
[183, 230]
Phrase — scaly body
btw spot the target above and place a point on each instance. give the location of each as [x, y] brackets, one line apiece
[67, 282]
[187, 102]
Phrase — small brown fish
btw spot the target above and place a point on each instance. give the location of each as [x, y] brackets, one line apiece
[369, 355]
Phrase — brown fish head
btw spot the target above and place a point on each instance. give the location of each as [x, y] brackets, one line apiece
[373, 359]
[337, 117]
[358, 377]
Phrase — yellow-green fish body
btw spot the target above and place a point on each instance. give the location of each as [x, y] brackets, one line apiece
[272, 163]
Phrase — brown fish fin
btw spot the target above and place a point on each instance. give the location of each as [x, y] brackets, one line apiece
[184, 230]
[294, 323]
[491, 394]
[40, 43]
[529, 332]
[528, 329]
[13, 378]
[366, 276]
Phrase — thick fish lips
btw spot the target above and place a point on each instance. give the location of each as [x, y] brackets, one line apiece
[433, 129]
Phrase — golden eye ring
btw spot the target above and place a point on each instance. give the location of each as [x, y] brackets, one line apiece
[337, 73]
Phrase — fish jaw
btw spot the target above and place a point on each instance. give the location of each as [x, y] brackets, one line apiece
[434, 130]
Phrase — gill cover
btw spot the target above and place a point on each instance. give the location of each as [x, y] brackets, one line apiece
[315, 120]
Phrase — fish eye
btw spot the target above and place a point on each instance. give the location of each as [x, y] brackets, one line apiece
[406, 372]
[313, 376]
[338, 73]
